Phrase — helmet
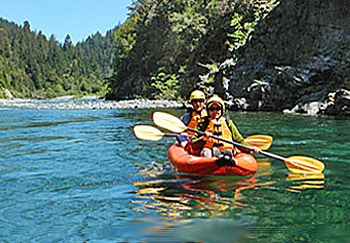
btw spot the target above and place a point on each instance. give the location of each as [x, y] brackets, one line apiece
[197, 95]
[217, 100]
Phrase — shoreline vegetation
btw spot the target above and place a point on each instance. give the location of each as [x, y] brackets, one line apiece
[242, 51]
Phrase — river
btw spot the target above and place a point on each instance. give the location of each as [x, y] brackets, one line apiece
[82, 176]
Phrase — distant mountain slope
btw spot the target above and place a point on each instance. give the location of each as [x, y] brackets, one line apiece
[33, 66]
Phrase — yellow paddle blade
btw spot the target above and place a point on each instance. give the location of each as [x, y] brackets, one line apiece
[145, 132]
[168, 122]
[303, 177]
[304, 165]
[263, 142]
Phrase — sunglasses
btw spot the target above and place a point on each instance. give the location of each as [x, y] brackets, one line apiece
[197, 101]
[215, 108]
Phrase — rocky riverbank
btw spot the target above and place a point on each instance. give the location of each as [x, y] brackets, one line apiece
[337, 104]
[84, 104]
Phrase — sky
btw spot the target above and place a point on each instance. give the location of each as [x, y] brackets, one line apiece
[78, 18]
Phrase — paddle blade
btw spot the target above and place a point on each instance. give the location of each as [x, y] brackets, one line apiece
[304, 177]
[168, 122]
[263, 142]
[303, 164]
[145, 132]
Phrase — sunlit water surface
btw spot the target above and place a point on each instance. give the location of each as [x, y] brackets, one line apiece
[82, 176]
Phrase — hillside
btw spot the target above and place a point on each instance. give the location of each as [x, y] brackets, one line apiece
[290, 56]
[297, 60]
[32, 66]
[168, 48]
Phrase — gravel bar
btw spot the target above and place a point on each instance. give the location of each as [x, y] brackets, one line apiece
[86, 104]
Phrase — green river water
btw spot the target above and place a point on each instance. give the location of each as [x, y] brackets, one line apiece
[82, 176]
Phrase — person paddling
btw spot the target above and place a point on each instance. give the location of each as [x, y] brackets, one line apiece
[217, 125]
[195, 115]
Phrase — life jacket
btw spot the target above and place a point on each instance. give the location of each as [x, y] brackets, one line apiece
[195, 119]
[218, 128]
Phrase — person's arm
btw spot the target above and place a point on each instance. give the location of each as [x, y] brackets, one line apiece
[186, 118]
[237, 136]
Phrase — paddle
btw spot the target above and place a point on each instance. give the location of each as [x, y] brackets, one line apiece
[263, 142]
[150, 133]
[146, 132]
[296, 164]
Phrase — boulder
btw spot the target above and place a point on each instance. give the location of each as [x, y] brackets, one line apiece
[338, 104]
[310, 108]
[8, 94]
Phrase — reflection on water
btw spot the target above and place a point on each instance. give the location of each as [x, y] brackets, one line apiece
[306, 181]
[173, 195]
[194, 208]
[81, 176]
[209, 230]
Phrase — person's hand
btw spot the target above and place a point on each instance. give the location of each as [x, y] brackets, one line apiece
[207, 135]
[256, 150]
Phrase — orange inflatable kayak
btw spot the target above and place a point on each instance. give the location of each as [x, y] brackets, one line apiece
[183, 162]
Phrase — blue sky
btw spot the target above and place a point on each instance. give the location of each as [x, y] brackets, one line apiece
[78, 18]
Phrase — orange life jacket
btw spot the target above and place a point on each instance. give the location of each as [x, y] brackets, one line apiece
[196, 118]
[219, 128]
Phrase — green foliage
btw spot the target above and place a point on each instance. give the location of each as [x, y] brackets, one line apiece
[166, 48]
[33, 66]
[124, 40]
[243, 23]
[165, 85]
[183, 38]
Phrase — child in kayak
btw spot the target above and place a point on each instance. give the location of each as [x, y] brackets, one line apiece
[217, 125]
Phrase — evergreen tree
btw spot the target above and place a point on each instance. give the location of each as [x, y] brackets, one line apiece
[33, 66]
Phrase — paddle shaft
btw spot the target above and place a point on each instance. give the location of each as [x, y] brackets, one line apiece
[169, 135]
[174, 135]
[239, 145]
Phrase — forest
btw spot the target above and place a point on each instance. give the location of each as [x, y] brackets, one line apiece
[267, 55]
[163, 50]
[32, 66]
[167, 48]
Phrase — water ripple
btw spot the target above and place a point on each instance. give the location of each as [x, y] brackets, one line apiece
[82, 176]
